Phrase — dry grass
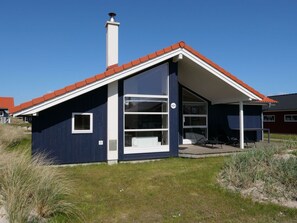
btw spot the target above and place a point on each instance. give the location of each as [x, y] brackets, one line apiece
[10, 135]
[31, 190]
[265, 174]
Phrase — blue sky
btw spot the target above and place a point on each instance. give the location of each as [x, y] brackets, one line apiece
[48, 44]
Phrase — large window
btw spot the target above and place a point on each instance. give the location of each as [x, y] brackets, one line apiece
[82, 122]
[269, 118]
[194, 117]
[146, 112]
[290, 118]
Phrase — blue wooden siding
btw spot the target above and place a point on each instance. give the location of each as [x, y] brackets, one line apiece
[51, 130]
[223, 120]
[173, 113]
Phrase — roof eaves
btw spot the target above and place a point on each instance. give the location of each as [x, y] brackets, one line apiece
[115, 69]
[228, 74]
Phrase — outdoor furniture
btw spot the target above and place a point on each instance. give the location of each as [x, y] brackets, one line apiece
[234, 141]
[213, 142]
[202, 140]
[256, 129]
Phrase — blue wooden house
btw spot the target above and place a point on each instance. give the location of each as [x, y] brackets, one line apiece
[143, 109]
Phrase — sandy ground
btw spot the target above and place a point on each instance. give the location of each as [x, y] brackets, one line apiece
[2, 216]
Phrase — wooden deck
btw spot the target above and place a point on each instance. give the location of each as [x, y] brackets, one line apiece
[197, 151]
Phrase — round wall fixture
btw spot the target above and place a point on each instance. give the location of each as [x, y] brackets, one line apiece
[173, 105]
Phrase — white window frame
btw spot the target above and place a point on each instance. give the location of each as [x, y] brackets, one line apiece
[269, 120]
[161, 148]
[195, 126]
[74, 131]
[286, 115]
[195, 115]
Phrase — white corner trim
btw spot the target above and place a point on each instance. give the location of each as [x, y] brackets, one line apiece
[112, 121]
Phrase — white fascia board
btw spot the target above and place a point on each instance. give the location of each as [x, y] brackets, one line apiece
[99, 83]
[220, 75]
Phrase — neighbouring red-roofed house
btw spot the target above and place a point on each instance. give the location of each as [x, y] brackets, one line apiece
[6, 104]
[282, 117]
[143, 109]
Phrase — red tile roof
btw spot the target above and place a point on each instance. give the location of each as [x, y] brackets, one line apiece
[116, 69]
[7, 103]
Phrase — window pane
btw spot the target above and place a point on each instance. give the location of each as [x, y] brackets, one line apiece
[291, 118]
[269, 118]
[82, 122]
[140, 104]
[151, 82]
[146, 139]
[146, 121]
[195, 121]
[194, 109]
[190, 97]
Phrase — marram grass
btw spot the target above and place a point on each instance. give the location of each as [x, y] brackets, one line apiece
[265, 174]
[33, 191]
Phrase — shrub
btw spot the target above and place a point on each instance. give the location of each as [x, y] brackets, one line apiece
[269, 172]
[31, 190]
[244, 169]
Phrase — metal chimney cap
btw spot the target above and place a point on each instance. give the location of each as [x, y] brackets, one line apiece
[112, 15]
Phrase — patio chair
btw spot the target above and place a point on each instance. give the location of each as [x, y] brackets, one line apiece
[234, 141]
[202, 140]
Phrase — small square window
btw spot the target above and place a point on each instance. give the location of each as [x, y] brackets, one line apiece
[269, 118]
[82, 122]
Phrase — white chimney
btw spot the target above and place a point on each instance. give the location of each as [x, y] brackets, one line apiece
[112, 41]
